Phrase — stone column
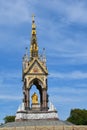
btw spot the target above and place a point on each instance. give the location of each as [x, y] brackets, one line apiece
[27, 99]
[24, 100]
[24, 93]
[44, 99]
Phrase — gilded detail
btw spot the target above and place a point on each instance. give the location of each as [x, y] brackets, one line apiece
[34, 46]
[34, 98]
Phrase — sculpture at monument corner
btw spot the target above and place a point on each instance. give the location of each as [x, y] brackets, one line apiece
[52, 108]
[21, 108]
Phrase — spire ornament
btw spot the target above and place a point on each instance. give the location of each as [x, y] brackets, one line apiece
[34, 45]
[33, 16]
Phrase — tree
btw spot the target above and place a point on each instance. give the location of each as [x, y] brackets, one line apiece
[9, 119]
[78, 117]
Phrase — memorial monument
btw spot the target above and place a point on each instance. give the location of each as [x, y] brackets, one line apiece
[34, 72]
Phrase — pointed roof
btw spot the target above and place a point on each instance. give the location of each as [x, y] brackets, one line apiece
[34, 45]
[39, 65]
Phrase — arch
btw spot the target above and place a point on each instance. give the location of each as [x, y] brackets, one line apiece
[34, 96]
[37, 82]
[39, 85]
[32, 82]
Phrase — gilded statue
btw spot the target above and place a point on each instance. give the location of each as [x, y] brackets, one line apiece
[34, 98]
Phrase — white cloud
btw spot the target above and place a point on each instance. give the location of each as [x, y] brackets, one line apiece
[8, 97]
[72, 75]
[76, 12]
[68, 95]
[13, 11]
[70, 11]
[61, 99]
[20, 10]
[69, 90]
[4, 76]
[10, 82]
[65, 99]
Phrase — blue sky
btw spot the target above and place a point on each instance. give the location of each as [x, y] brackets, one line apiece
[62, 30]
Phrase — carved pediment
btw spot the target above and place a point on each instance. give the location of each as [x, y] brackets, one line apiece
[36, 67]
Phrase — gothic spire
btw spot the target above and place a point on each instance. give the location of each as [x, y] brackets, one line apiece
[34, 45]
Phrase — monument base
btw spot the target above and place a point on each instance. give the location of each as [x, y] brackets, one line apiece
[35, 113]
[23, 115]
[35, 107]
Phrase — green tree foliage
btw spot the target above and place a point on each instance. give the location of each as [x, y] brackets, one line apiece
[9, 119]
[78, 117]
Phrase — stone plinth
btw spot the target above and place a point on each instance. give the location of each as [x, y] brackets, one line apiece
[36, 115]
[35, 106]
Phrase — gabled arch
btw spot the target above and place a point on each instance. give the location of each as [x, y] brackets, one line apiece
[39, 85]
[37, 82]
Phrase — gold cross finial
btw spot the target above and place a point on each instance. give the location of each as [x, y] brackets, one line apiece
[33, 16]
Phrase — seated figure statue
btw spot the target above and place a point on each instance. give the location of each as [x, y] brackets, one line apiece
[34, 98]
